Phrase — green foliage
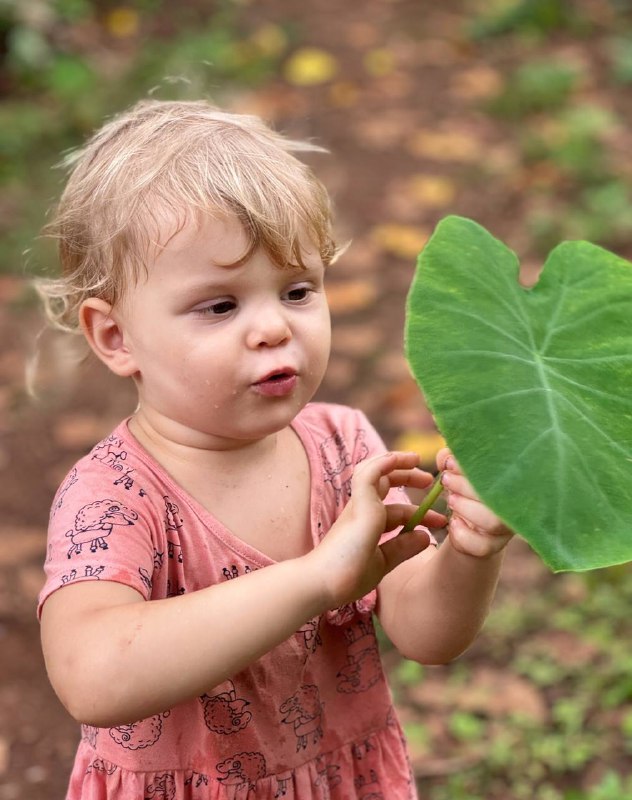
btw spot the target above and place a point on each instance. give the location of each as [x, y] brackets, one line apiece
[60, 92]
[409, 673]
[620, 54]
[578, 661]
[611, 787]
[538, 85]
[573, 140]
[532, 17]
[524, 384]
[600, 213]
[417, 734]
[465, 726]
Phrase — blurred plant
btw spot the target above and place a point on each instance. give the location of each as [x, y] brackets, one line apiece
[31, 33]
[574, 140]
[600, 214]
[589, 698]
[534, 17]
[212, 57]
[467, 727]
[60, 85]
[611, 787]
[619, 54]
[589, 199]
[539, 85]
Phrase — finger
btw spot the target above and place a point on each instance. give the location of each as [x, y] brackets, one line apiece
[398, 514]
[475, 542]
[475, 513]
[368, 473]
[403, 547]
[456, 482]
[446, 460]
[435, 519]
[442, 456]
[411, 478]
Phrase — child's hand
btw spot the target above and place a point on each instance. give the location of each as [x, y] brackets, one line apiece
[473, 529]
[350, 559]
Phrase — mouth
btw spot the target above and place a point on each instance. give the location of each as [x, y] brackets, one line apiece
[277, 383]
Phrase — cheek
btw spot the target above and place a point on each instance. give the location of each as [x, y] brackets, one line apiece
[322, 333]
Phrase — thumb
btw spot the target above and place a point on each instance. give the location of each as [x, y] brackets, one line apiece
[403, 547]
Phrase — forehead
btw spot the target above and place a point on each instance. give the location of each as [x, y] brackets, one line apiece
[212, 240]
[220, 239]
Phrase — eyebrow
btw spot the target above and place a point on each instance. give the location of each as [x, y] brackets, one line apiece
[225, 282]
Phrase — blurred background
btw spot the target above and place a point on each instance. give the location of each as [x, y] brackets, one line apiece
[513, 112]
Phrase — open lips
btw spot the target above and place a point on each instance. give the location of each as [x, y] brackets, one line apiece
[279, 383]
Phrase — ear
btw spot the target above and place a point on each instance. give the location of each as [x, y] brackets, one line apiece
[105, 335]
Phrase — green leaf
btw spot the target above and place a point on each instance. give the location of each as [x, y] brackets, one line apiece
[532, 388]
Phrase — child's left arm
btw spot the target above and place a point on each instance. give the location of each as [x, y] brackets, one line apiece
[433, 605]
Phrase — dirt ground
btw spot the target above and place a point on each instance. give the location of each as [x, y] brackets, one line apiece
[370, 118]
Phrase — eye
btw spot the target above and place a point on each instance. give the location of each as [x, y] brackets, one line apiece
[298, 294]
[217, 308]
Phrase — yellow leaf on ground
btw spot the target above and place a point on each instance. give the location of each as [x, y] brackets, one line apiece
[379, 62]
[426, 443]
[404, 241]
[348, 296]
[122, 22]
[310, 66]
[270, 40]
[432, 191]
[448, 145]
[478, 83]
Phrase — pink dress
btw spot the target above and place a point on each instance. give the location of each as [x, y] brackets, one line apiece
[313, 718]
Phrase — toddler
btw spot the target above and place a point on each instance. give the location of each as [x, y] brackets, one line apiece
[214, 563]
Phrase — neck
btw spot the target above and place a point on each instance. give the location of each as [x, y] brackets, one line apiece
[172, 443]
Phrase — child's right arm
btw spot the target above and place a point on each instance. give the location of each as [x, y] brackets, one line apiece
[114, 658]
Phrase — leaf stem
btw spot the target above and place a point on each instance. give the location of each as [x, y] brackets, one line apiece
[434, 492]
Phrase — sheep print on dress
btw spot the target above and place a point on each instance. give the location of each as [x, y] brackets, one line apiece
[312, 719]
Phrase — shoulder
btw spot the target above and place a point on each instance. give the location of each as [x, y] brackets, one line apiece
[340, 432]
[117, 460]
[113, 471]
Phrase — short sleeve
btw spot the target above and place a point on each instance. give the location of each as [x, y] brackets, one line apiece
[98, 531]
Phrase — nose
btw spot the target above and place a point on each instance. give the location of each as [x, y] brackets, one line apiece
[269, 327]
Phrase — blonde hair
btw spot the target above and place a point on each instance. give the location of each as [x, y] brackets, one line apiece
[189, 158]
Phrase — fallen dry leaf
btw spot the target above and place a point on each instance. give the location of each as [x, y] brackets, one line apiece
[432, 191]
[478, 83]
[379, 62]
[270, 40]
[122, 22]
[405, 241]
[446, 145]
[347, 296]
[310, 66]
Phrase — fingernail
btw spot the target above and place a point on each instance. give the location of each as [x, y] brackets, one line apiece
[450, 463]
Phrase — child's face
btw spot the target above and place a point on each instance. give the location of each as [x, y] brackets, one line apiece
[229, 352]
